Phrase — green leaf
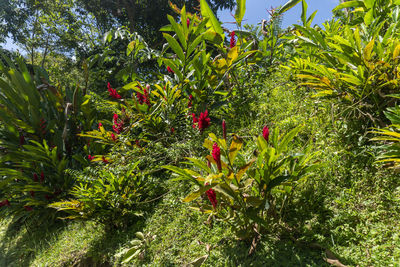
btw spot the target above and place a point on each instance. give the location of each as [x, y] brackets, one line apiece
[236, 145]
[289, 4]
[240, 10]
[178, 30]
[349, 4]
[304, 12]
[213, 23]
[173, 43]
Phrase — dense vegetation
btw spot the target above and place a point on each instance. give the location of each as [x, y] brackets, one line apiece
[261, 146]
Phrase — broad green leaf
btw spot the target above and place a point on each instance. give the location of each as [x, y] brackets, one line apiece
[178, 30]
[368, 50]
[236, 145]
[240, 10]
[369, 16]
[213, 23]
[396, 51]
[173, 43]
[289, 4]
[304, 12]
[349, 4]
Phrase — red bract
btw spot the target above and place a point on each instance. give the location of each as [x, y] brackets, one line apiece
[190, 104]
[35, 177]
[188, 22]
[21, 139]
[169, 69]
[216, 154]
[41, 177]
[172, 130]
[104, 160]
[212, 197]
[233, 40]
[195, 120]
[118, 126]
[5, 203]
[140, 97]
[28, 208]
[115, 118]
[100, 125]
[146, 97]
[224, 129]
[113, 137]
[204, 121]
[265, 133]
[113, 92]
[90, 157]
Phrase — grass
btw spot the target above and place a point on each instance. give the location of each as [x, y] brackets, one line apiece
[351, 207]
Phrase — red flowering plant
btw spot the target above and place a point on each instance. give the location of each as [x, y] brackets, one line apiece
[241, 188]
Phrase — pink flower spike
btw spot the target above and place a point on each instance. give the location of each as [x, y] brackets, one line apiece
[216, 154]
[265, 133]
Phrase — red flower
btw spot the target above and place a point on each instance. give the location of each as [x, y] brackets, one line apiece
[195, 120]
[188, 22]
[113, 92]
[233, 40]
[100, 125]
[146, 97]
[216, 154]
[172, 130]
[265, 133]
[21, 139]
[113, 137]
[117, 127]
[90, 157]
[105, 160]
[169, 69]
[212, 197]
[190, 104]
[204, 121]
[43, 126]
[41, 177]
[224, 129]
[140, 97]
[35, 177]
[5, 203]
[28, 208]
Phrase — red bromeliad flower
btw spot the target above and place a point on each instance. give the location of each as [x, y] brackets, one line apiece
[233, 40]
[204, 121]
[212, 197]
[216, 154]
[28, 208]
[169, 69]
[5, 203]
[140, 98]
[224, 129]
[118, 126]
[195, 120]
[146, 97]
[113, 92]
[113, 137]
[21, 139]
[172, 130]
[90, 157]
[100, 125]
[265, 133]
[188, 22]
[41, 177]
[43, 126]
[105, 160]
[190, 104]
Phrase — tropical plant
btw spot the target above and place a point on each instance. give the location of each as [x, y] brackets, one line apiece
[112, 196]
[239, 192]
[391, 136]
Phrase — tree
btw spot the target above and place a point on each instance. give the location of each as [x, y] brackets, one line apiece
[142, 16]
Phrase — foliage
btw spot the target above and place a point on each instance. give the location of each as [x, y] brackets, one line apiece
[354, 63]
[245, 193]
[391, 135]
[39, 123]
[110, 197]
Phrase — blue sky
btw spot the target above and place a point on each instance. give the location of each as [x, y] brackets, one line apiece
[256, 10]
